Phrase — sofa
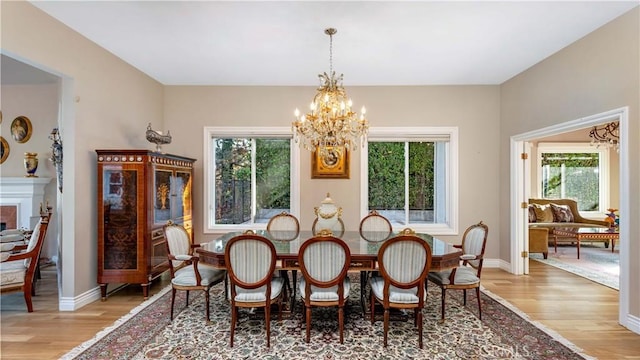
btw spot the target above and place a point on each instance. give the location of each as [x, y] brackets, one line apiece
[547, 214]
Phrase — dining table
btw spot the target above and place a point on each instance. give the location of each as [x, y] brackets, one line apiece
[364, 252]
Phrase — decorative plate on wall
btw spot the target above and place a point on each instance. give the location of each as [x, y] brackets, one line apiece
[4, 149]
[21, 129]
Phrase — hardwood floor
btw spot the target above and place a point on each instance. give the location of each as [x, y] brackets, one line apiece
[580, 310]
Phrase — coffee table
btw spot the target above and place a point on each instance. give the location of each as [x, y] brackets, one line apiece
[584, 233]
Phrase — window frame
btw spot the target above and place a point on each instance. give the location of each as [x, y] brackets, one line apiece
[208, 206]
[398, 134]
[603, 168]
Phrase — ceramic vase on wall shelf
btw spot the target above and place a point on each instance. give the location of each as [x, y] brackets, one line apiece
[31, 164]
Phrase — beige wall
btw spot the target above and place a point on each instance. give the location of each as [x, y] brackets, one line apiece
[39, 103]
[188, 109]
[598, 73]
[109, 106]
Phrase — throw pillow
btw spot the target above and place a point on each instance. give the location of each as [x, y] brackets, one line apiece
[532, 214]
[543, 213]
[561, 213]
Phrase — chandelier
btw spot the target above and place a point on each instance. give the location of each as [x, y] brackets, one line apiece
[330, 121]
[606, 135]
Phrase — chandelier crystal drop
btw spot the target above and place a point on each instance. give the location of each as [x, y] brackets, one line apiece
[606, 135]
[330, 121]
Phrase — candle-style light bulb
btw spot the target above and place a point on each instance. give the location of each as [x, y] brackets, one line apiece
[363, 111]
[296, 113]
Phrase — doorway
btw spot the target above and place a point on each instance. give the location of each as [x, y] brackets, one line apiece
[521, 185]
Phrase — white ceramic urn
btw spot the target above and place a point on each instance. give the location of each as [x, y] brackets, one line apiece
[328, 214]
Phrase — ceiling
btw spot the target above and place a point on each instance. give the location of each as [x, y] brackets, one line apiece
[378, 42]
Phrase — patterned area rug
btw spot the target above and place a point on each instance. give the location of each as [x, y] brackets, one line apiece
[596, 262]
[504, 333]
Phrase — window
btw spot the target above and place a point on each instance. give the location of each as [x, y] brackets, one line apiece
[574, 171]
[410, 177]
[249, 176]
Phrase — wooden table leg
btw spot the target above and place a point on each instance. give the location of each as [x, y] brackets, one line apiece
[578, 245]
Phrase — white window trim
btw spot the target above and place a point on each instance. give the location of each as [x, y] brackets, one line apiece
[603, 168]
[211, 132]
[414, 134]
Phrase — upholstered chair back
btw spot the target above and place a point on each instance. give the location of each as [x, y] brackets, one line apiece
[405, 260]
[33, 241]
[178, 243]
[325, 261]
[283, 226]
[473, 243]
[251, 259]
[375, 227]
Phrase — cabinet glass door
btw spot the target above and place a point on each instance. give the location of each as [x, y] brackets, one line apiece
[120, 203]
[162, 196]
[182, 191]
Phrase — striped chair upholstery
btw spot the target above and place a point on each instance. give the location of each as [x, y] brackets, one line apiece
[466, 276]
[404, 263]
[324, 261]
[375, 227]
[251, 260]
[187, 273]
[284, 227]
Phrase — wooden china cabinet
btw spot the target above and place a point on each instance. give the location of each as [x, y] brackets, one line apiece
[139, 191]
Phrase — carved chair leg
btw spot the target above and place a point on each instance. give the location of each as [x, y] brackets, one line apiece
[419, 313]
[341, 323]
[27, 297]
[308, 323]
[206, 302]
[234, 317]
[479, 303]
[372, 302]
[267, 320]
[444, 294]
[173, 300]
[386, 325]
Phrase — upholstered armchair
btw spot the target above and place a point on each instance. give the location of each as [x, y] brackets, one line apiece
[187, 273]
[539, 241]
[466, 276]
[18, 267]
[324, 261]
[403, 262]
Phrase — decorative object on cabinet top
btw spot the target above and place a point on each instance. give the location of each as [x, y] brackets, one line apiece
[21, 129]
[158, 138]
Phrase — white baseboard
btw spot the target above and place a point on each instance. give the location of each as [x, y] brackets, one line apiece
[75, 303]
[633, 324]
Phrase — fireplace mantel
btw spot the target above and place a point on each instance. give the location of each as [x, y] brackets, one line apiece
[26, 194]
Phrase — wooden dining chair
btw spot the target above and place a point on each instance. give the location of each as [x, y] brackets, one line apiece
[466, 276]
[404, 263]
[187, 273]
[324, 261]
[284, 227]
[18, 266]
[375, 227]
[251, 261]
